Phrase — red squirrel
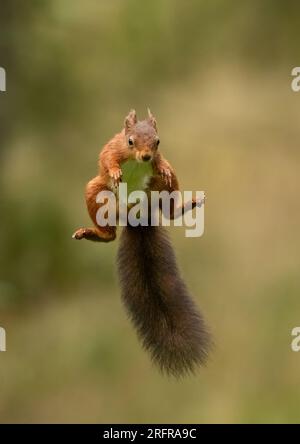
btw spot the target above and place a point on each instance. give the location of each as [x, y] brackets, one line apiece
[155, 296]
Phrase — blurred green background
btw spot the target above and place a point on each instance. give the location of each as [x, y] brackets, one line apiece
[217, 76]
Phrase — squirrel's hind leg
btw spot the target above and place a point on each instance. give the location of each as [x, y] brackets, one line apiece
[103, 234]
[98, 234]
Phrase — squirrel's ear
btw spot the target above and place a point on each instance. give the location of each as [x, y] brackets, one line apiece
[130, 120]
[152, 119]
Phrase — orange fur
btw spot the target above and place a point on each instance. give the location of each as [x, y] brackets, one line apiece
[113, 155]
[155, 296]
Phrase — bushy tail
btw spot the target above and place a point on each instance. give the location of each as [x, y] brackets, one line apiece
[158, 302]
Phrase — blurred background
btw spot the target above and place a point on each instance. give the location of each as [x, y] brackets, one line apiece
[217, 76]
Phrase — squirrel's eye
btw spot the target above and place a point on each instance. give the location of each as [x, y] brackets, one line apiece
[130, 141]
[157, 142]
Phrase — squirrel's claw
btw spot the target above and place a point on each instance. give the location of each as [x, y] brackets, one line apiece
[79, 234]
[115, 175]
[167, 176]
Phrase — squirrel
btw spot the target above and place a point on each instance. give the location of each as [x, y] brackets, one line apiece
[155, 296]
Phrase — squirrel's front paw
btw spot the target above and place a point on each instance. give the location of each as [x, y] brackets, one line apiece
[166, 175]
[79, 234]
[115, 174]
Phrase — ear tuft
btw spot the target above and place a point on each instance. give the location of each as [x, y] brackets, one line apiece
[152, 119]
[130, 120]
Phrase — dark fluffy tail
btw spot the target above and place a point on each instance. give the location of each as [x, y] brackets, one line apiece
[158, 302]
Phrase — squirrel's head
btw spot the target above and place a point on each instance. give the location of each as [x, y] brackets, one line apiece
[141, 136]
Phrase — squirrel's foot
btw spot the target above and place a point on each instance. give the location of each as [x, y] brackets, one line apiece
[96, 234]
[80, 234]
[199, 202]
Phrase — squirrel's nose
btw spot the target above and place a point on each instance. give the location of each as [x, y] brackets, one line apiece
[146, 157]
